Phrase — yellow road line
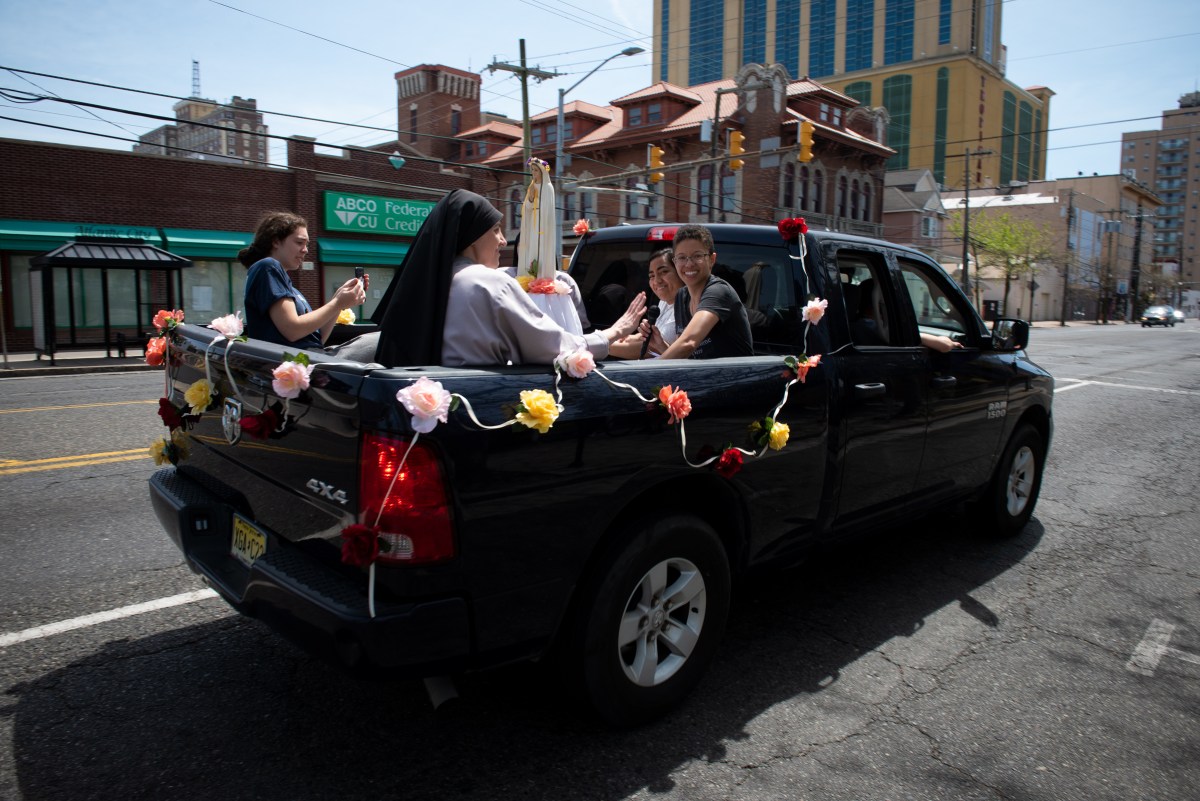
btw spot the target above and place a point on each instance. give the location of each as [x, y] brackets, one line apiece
[12, 467]
[78, 406]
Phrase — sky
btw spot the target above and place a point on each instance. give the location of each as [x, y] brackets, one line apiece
[1114, 66]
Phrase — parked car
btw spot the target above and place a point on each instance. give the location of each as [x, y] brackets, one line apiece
[1158, 315]
[1178, 315]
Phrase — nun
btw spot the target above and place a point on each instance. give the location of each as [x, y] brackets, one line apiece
[450, 304]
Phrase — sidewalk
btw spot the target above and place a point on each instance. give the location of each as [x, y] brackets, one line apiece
[71, 362]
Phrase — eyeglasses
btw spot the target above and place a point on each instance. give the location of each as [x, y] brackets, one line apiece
[693, 259]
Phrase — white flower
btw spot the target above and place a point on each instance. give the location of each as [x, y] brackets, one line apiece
[427, 401]
[576, 363]
[230, 326]
[291, 378]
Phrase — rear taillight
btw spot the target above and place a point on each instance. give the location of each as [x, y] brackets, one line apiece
[416, 512]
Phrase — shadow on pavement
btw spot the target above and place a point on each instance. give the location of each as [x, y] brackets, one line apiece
[228, 710]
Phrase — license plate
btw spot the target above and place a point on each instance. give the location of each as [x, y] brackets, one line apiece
[249, 543]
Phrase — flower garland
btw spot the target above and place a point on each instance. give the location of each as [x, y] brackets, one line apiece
[428, 403]
[582, 227]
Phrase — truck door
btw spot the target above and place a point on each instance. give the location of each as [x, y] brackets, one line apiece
[882, 400]
[967, 386]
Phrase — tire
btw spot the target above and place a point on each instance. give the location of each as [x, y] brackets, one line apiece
[1013, 492]
[649, 624]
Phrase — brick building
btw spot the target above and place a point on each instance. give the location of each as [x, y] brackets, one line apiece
[360, 211]
[839, 189]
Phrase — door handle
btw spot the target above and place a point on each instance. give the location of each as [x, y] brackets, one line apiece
[944, 382]
[869, 390]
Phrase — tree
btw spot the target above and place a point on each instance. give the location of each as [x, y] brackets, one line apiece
[1011, 245]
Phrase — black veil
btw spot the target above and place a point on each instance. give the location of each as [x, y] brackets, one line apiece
[412, 313]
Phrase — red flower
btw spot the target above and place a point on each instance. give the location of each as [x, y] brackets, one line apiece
[729, 463]
[170, 414]
[260, 426]
[156, 350]
[791, 228]
[360, 544]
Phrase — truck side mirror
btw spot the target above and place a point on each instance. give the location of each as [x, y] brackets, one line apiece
[1009, 334]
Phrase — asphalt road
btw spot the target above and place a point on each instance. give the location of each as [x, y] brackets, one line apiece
[920, 664]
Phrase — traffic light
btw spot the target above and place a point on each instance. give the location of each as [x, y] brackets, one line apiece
[806, 141]
[736, 138]
[654, 162]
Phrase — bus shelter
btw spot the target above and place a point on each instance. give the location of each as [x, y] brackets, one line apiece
[130, 257]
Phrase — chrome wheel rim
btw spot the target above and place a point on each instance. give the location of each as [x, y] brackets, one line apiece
[661, 623]
[1020, 481]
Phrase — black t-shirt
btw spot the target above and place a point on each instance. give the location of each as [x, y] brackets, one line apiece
[731, 335]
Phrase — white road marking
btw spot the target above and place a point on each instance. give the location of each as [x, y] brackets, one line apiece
[1085, 383]
[1154, 646]
[50, 629]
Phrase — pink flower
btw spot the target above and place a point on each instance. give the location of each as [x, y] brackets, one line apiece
[165, 320]
[291, 378]
[582, 227]
[230, 325]
[156, 351]
[814, 310]
[577, 363]
[427, 401]
[729, 463]
[792, 227]
[676, 402]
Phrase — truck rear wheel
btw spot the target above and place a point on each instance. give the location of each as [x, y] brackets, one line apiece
[1008, 504]
[650, 625]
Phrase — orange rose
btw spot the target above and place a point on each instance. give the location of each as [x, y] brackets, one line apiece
[675, 401]
[156, 351]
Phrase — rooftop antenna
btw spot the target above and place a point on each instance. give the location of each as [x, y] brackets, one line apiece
[195, 78]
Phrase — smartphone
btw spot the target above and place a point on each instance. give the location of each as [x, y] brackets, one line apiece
[358, 272]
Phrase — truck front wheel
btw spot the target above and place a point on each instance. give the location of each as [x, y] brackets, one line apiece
[1008, 504]
[654, 619]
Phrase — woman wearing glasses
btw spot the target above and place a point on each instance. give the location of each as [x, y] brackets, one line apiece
[709, 315]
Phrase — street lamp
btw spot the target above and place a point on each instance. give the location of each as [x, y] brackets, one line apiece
[558, 143]
[967, 216]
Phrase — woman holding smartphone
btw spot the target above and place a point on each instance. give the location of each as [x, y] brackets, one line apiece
[275, 309]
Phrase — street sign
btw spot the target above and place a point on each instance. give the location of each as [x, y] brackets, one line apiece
[373, 214]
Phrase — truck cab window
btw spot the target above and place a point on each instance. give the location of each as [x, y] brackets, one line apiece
[864, 276]
[936, 306]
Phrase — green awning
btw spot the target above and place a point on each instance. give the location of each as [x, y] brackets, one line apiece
[39, 236]
[356, 251]
[200, 244]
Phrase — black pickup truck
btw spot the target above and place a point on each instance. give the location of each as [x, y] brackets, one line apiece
[601, 544]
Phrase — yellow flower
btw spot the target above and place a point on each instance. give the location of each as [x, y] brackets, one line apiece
[199, 395]
[779, 436]
[346, 317]
[182, 444]
[538, 409]
[157, 451]
[525, 281]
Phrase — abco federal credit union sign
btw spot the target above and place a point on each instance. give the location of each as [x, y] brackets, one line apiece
[372, 214]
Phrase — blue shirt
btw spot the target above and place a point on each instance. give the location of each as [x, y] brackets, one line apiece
[266, 283]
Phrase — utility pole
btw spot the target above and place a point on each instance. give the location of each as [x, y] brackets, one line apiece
[1062, 320]
[1135, 271]
[523, 74]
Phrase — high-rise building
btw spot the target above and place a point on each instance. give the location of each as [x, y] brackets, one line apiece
[205, 129]
[1160, 159]
[937, 66]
